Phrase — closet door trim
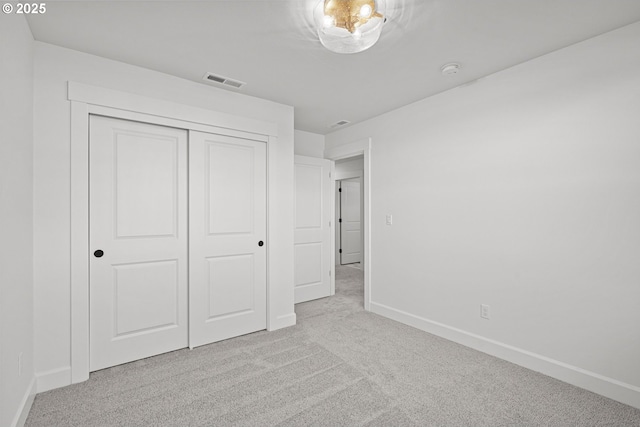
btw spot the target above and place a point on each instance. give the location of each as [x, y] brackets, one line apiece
[131, 103]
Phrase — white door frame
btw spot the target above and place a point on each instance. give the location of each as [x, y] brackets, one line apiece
[356, 148]
[86, 100]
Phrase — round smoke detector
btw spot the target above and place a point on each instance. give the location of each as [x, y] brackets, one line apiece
[450, 69]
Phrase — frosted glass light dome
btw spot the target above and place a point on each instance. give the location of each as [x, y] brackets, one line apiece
[349, 26]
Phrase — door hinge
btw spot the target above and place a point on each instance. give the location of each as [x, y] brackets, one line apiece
[340, 220]
[340, 190]
[340, 251]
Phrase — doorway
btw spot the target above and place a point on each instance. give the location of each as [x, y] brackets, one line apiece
[352, 238]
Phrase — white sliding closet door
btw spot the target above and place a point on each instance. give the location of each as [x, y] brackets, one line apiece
[312, 233]
[138, 239]
[227, 233]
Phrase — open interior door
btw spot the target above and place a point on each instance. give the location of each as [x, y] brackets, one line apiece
[350, 222]
[312, 236]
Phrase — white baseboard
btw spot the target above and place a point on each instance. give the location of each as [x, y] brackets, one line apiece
[25, 405]
[608, 387]
[55, 378]
[283, 321]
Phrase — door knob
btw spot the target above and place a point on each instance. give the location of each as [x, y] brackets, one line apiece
[260, 243]
[98, 253]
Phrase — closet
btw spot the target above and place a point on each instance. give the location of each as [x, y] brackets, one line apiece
[177, 235]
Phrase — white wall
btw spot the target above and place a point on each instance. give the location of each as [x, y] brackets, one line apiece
[54, 66]
[522, 192]
[308, 144]
[16, 218]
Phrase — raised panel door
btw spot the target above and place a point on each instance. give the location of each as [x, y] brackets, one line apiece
[312, 233]
[227, 211]
[138, 236]
[351, 234]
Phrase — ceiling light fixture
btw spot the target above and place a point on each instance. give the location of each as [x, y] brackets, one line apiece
[349, 26]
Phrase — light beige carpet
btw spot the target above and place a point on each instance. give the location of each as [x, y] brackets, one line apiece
[340, 366]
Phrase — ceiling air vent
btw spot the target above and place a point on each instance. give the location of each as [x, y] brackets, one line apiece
[339, 124]
[223, 80]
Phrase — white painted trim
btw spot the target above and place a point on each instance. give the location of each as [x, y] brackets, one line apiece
[133, 107]
[54, 378]
[340, 176]
[179, 124]
[283, 321]
[96, 95]
[25, 405]
[272, 212]
[79, 242]
[361, 146]
[608, 387]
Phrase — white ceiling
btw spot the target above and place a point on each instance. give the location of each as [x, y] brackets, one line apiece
[272, 47]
